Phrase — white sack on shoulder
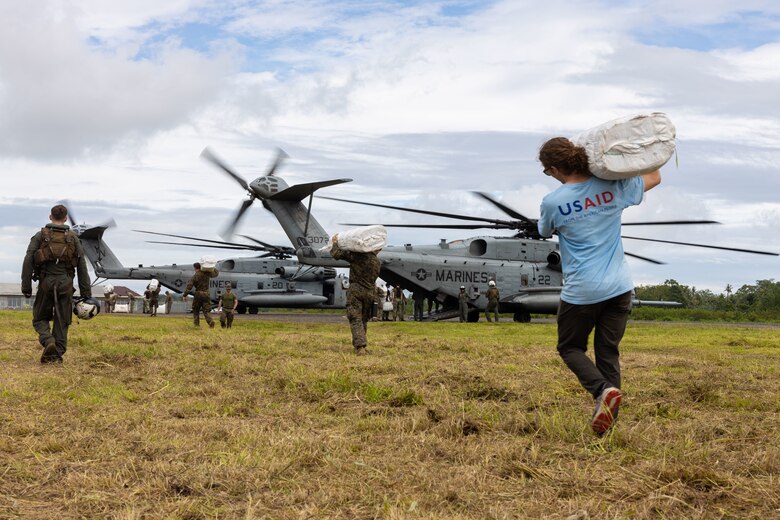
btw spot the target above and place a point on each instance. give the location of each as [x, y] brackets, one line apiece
[360, 240]
[208, 263]
[628, 146]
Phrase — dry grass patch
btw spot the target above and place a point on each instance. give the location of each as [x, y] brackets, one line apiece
[155, 419]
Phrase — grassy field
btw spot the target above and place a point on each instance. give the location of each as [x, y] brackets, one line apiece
[151, 418]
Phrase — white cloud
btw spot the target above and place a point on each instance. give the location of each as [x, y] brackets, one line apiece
[62, 98]
[760, 64]
[114, 101]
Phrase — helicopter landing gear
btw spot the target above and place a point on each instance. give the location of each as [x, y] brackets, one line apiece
[473, 316]
[241, 309]
[253, 310]
[522, 317]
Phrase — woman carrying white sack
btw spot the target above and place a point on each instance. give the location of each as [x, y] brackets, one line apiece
[360, 248]
[585, 211]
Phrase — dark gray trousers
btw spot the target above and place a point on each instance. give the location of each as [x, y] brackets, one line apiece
[575, 323]
[53, 303]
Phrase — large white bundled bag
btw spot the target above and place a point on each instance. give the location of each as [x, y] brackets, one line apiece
[628, 146]
[154, 284]
[208, 263]
[360, 240]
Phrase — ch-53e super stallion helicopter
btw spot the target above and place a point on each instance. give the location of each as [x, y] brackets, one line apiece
[525, 266]
[272, 279]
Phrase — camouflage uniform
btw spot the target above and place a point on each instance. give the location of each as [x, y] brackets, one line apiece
[399, 304]
[154, 295]
[228, 302]
[168, 302]
[463, 305]
[130, 302]
[376, 308]
[111, 302]
[202, 301]
[492, 306]
[363, 272]
[54, 299]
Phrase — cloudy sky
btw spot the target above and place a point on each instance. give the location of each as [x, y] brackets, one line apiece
[108, 104]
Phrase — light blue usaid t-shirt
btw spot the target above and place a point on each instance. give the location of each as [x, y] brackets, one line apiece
[587, 217]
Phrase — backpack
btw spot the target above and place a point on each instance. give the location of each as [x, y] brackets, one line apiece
[57, 245]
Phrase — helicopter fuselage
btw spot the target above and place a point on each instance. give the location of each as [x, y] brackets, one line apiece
[256, 281]
[524, 271]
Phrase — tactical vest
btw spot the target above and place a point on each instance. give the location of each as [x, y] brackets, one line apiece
[58, 246]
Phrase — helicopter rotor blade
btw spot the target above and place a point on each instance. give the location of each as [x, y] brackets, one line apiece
[704, 245]
[220, 242]
[272, 249]
[208, 155]
[503, 207]
[110, 223]
[434, 226]
[646, 259]
[264, 244]
[508, 225]
[228, 231]
[281, 155]
[210, 246]
[71, 218]
[671, 222]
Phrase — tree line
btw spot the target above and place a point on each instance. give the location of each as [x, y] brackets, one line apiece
[761, 297]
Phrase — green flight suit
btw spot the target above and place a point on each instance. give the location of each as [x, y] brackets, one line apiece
[463, 306]
[363, 272]
[202, 301]
[54, 299]
[492, 305]
[228, 303]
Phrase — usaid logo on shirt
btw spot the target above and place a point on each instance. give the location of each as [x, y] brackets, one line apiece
[578, 206]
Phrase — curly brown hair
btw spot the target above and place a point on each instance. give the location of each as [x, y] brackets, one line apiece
[564, 155]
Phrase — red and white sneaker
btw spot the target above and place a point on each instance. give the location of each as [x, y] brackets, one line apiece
[607, 406]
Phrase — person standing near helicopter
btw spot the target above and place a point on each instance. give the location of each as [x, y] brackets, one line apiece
[585, 212]
[492, 296]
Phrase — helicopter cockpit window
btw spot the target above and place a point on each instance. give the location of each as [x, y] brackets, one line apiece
[477, 247]
[228, 265]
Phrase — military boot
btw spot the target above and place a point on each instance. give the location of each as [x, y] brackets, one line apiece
[50, 353]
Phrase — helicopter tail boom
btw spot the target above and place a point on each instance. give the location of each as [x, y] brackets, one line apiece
[98, 253]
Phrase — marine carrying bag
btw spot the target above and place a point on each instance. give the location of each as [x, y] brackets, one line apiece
[57, 245]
